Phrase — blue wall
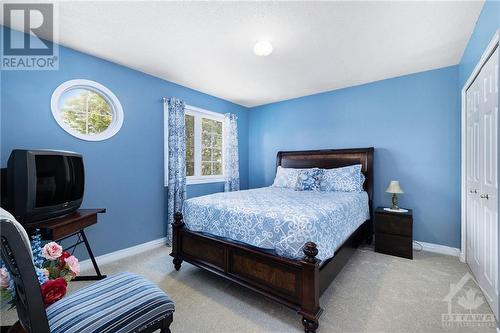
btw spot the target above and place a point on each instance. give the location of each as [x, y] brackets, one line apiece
[125, 173]
[486, 26]
[412, 121]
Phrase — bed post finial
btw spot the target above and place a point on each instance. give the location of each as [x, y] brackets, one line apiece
[176, 240]
[310, 326]
[177, 218]
[310, 250]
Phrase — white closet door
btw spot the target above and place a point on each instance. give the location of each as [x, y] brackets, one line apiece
[473, 177]
[488, 113]
[482, 176]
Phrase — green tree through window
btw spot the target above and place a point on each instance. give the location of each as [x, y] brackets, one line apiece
[204, 146]
[86, 111]
[211, 147]
[189, 120]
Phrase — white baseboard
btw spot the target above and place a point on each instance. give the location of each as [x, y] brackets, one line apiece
[436, 248]
[124, 253]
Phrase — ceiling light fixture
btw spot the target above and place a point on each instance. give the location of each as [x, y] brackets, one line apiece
[263, 48]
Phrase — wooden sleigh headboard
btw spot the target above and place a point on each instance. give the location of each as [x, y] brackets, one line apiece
[332, 158]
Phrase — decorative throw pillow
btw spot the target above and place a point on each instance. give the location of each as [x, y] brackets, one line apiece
[286, 177]
[346, 179]
[309, 180]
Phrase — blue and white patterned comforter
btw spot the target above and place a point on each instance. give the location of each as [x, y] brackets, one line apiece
[280, 219]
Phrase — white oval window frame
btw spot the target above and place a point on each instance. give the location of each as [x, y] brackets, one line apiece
[107, 94]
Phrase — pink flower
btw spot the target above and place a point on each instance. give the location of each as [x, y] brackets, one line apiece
[52, 251]
[4, 278]
[73, 265]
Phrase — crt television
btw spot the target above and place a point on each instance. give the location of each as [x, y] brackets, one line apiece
[42, 184]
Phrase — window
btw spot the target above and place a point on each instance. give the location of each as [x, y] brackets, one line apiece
[211, 147]
[204, 146]
[87, 110]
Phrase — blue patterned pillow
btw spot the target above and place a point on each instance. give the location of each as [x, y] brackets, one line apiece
[309, 180]
[286, 177]
[346, 179]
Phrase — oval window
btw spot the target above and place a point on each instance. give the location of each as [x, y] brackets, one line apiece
[87, 110]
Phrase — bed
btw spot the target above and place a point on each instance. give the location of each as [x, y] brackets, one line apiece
[279, 220]
[283, 244]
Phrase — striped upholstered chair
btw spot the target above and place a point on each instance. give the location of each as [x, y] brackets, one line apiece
[120, 303]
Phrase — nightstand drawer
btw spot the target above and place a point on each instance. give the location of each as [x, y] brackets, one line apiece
[393, 224]
[395, 245]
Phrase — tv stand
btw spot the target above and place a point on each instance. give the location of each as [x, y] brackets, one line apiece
[73, 224]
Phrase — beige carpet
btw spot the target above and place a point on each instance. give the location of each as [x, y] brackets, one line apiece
[373, 293]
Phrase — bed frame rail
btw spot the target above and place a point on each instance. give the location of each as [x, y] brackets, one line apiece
[297, 284]
[293, 283]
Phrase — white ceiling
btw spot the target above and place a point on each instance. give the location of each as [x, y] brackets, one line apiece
[318, 46]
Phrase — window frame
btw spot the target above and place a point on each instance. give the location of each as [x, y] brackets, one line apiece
[111, 99]
[197, 113]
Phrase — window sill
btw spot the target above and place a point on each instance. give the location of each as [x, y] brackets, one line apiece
[203, 180]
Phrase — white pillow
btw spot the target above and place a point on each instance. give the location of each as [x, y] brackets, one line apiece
[286, 177]
[345, 179]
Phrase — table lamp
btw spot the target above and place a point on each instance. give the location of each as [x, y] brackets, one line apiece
[394, 188]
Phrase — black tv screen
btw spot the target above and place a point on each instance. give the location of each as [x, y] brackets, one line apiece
[44, 184]
[58, 179]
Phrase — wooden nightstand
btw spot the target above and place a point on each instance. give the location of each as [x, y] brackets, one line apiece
[394, 233]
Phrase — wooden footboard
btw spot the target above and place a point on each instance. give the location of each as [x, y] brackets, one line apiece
[297, 284]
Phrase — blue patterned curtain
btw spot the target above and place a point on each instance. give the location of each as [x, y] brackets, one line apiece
[176, 161]
[231, 164]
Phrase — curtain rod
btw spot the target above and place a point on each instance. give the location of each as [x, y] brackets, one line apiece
[194, 108]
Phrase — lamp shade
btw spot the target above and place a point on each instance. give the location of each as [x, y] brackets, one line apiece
[394, 187]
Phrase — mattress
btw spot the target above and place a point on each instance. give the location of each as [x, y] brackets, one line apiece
[279, 219]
